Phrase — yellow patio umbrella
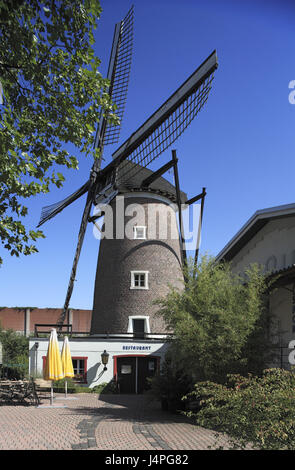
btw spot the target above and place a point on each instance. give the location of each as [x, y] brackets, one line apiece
[67, 363]
[53, 368]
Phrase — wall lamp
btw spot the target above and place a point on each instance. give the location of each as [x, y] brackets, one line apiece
[105, 359]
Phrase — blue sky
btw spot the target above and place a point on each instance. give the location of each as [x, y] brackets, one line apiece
[240, 147]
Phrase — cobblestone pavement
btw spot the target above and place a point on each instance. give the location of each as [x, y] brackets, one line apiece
[106, 422]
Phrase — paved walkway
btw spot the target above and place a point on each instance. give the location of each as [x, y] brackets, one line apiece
[107, 422]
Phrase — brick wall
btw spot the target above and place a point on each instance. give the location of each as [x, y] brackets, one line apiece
[24, 319]
[12, 318]
[114, 301]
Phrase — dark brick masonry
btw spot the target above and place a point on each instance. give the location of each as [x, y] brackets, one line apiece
[147, 431]
[87, 429]
[114, 300]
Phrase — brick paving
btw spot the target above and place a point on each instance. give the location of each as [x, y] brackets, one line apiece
[105, 422]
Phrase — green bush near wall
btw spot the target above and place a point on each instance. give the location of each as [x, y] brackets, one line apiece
[256, 410]
[15, 349]
[105, 388]
[74, 387]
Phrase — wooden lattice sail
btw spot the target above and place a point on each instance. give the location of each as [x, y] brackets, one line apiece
[145, 145]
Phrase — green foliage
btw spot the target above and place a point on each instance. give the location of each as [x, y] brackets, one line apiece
[59, 385]
[105, 388]
[219, 321]
[170, 385]
[53, 94]
[74, 387]
[252, 409]
[15, 348]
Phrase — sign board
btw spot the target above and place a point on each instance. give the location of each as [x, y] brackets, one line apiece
[126, 369]
[136, 348]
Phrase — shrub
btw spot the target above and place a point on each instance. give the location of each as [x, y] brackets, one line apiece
[59, 385]
[170, 385]
[252, 409]
[15, 354]
[219, 321]
[105, 388]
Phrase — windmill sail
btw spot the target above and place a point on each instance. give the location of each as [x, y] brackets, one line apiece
[118, 74]
[158, 132]
[144, 145]
[170, 120]
[50, 211]
[164, 126]
[121, 44]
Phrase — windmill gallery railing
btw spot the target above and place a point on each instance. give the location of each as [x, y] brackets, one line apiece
[42, 330]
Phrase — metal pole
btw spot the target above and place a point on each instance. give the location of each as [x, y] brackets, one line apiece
[136, 375]
[51, 393]
[174, 158]
[200, 227]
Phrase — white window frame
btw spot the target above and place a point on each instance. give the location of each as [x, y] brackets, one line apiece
[135, 232]
[146, 319]
[133, 286]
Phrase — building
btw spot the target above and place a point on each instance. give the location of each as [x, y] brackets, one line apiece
[139, 257]
[268, 238]
[24, 320]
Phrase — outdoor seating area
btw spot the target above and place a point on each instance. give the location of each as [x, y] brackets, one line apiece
[18, 392]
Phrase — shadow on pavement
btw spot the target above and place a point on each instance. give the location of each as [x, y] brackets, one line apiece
[131, 407]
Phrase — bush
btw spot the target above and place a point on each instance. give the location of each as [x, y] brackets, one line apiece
[15, 354]
[252, 409]
[219, 321]
[105, 388]
[73, 387]
[170, 386]
[59, 386]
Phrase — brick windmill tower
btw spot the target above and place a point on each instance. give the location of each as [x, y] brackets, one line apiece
[139, 257]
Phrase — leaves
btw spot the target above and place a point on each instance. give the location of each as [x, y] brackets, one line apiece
[53, 94]
[15, 353]
[215, 318]
[256, 410]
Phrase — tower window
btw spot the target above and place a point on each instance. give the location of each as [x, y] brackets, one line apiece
[139, 232]
[138, 328]
[139, 325]
[139, 280]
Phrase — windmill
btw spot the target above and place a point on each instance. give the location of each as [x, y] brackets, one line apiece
[145, 145]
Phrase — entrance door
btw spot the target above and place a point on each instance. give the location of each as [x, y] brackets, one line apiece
[133, 372]
[126, 374]
[147, 367]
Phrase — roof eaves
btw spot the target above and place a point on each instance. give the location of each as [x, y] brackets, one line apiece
[258, 220]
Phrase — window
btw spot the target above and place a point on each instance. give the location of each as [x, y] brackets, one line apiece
[138, 328]
[139, 232]
[139, 280]
[80, 369]
[139, 325]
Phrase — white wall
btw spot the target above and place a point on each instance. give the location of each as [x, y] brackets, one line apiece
[92, 348]
[273, 247]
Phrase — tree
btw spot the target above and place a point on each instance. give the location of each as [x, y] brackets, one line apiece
[52, 96]
[219, 321]
[15, 353]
